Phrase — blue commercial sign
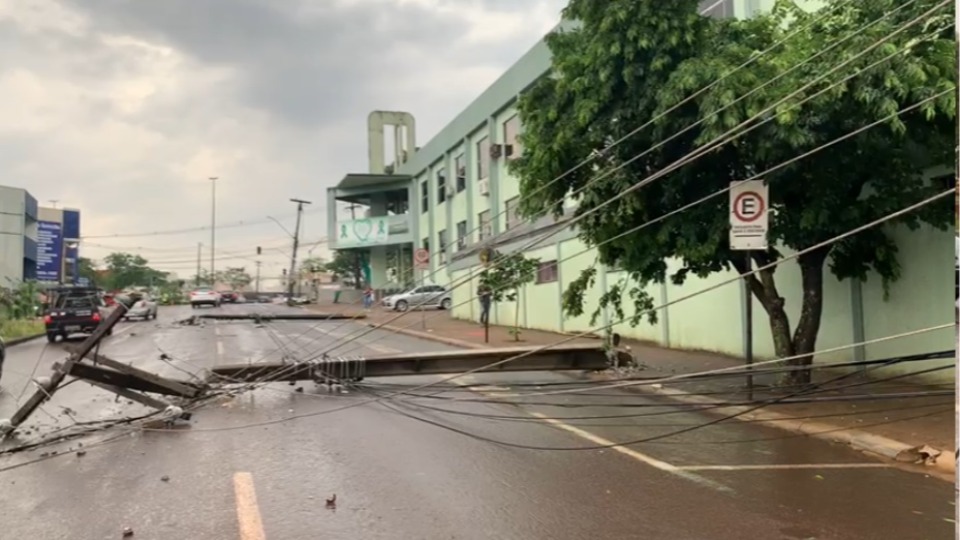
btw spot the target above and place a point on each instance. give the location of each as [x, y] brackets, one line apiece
[49, 250]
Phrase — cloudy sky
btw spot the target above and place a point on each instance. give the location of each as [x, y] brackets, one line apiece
[124, 108]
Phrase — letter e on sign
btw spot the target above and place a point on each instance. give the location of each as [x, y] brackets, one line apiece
[749, 215]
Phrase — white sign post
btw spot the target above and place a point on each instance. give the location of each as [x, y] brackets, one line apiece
[749, 223]
[749, 215]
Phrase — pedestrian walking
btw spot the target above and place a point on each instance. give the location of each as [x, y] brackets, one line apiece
[368, 298]
[485, 295]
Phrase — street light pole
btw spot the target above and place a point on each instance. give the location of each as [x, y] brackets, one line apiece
[213, 231]
[296, 244]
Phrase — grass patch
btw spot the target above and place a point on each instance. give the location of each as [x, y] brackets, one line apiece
[13, 329]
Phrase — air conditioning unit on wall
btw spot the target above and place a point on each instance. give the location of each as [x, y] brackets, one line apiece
[484, 187]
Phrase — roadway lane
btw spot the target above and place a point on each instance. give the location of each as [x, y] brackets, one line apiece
[398, 477]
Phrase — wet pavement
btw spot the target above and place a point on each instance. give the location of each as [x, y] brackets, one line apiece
[445, 466]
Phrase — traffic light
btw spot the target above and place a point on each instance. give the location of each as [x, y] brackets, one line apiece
[258, 250]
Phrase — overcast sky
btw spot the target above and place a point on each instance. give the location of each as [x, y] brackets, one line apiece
[123, 109]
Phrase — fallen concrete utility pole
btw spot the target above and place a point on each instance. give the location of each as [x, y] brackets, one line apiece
[106, 373]
[566, 357]
[272, 317]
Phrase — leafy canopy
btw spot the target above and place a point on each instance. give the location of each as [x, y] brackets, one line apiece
[630, 61]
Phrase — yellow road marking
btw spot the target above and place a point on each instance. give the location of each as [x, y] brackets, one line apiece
[248, 513]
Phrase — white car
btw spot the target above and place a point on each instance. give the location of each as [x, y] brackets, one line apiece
[145, 308]
[204, 296]
[425, 296]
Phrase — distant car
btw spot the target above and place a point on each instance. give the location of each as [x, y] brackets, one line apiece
[433, 296]
[204, 296]
[75, 310]
[229, 297]
[145, 308]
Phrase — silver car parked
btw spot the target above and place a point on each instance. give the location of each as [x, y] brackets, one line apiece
[426, 296]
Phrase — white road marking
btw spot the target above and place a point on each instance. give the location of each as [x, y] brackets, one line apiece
[782, 466]
[216, 330]
[630, 452]
[596, 439]
[219, 348]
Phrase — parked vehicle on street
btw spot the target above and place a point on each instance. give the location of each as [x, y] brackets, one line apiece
[145, 308]
[425, 296]
[229, 297]
[75, 310]
[204, 296]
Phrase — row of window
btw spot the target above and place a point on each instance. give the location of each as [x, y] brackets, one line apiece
[511, 149]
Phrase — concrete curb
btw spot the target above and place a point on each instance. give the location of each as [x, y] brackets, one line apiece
[18, 341]
[861, 440]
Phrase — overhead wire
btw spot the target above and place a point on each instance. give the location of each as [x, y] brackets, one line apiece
[657, 117]
[726, 137]
[714, 194]
[769, 108]
[924, 202]
[363, 402]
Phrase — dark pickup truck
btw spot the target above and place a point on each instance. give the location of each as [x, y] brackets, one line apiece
[74, 311]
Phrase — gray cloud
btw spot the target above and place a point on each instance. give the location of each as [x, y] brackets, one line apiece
[123, 108]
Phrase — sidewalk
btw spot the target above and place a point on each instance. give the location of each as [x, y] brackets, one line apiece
[890, 427]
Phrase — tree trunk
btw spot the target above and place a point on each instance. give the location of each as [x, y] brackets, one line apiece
[811, 312]
[516, 318]
[764, 288]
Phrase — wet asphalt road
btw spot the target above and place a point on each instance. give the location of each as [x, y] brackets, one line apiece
[245, 466]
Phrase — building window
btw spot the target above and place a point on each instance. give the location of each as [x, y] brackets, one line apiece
[442, 248]
[461, 168]
[486, 231]
[547, 272]
[426, 244]
[461, 236]
[441, 186]
[513, 214]
[483, 158]
[511, 133]
[424, 196]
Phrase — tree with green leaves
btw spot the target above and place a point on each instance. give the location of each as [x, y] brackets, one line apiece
[347, 263]
[87, 268]
[236, 277]
[506, 278]
[127, 270]
[630, 61]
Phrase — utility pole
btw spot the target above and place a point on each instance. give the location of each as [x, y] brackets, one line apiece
[213, 231]
[199, 254]
[258, 279]
[296, 244]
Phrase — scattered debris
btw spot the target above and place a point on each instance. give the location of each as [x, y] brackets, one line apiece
[920, 455]
[332, 502]
[81, 453]
[127, 532]
[164, 478]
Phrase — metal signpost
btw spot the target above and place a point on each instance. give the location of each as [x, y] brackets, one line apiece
[749, 223]
[421, 262]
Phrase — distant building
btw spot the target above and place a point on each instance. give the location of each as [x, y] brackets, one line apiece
[58, 245]
[18, 236]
